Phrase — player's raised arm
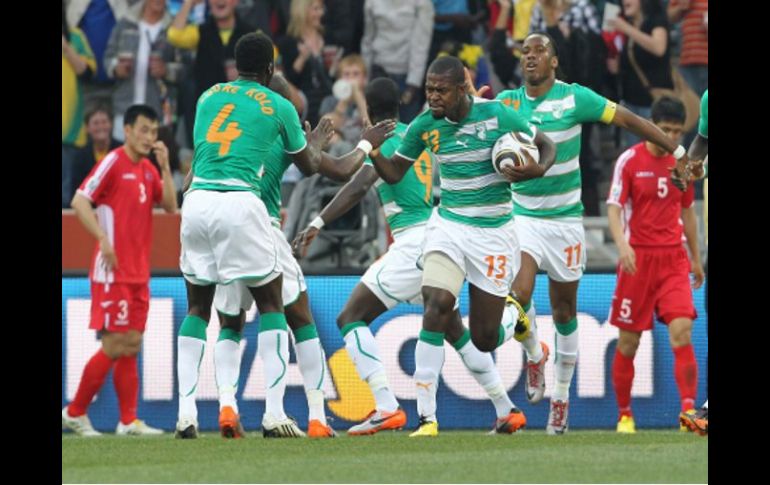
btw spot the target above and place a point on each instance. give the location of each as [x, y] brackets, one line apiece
[340, 169]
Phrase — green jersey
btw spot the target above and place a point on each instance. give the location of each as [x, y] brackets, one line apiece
[237, 125]
[559, 115]
[472, 192]
[703, 123]
[410, 201]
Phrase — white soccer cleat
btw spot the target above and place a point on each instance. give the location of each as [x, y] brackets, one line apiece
[557, 418]
[536, 377]
[280, 428]
[80, 425]
[186, 428]
[136, 428]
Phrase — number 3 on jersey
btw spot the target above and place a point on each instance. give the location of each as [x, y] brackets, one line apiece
[230, 133]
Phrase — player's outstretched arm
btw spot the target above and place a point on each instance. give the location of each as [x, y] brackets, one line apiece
[393, 169]
[347, 197]
[342, 168]
[309, 158]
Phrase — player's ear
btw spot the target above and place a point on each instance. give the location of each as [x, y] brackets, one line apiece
[554, 62]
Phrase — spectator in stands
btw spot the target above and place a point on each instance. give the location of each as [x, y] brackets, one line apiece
[568, 14]
[98, 121]
[504, 60]
[348, 113]
[136, 58]
[77, 64]
[214, 43]
[694, 57]
[645, 61]
[339, 23]
[302, 55]
[453, 21]
[269, 16]
[97, 18]
[395, 44]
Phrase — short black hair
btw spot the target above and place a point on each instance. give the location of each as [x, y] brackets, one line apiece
[668, 108]
[449, 66]
[280, 85]
[382, 98]
[97, 108]
[551, 42]
[135, 111]
[254, 53]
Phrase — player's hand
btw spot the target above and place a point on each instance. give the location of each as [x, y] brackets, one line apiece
[470, 88]
[302, 242]
[697, 169]
[109, 258]
[678, 180]
[161, 155]
[627, 259]
[323, 133]
[527, 171]
[698, 274]
[377, 134]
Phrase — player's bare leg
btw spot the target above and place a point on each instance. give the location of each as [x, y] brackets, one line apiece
[564, 307]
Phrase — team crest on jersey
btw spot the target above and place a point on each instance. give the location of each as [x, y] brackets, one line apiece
[148, 176]
[558, 111]
[481, 131]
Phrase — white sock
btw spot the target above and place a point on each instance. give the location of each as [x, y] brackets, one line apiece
[566, 356]
[362, 349]
[483, 369]
[508, 323]
[227, 367]
[189, 355]
[310, 357]
[274, 352]
[429, 359]
[532, 343]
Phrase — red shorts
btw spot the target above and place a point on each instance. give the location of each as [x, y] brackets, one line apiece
[119, 307]
[661, 283]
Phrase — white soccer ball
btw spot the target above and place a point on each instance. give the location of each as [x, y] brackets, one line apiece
[509, 150]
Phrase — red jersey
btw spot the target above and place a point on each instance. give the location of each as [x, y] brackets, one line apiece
[652, 205]
[124, 193]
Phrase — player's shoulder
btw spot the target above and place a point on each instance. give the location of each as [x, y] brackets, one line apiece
[510, 94]
[422, 122]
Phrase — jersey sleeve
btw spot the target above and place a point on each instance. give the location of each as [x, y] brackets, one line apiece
[621, 181]
[510, 120]
[688, 199]
[292, 134]
[97, 186]
[703, 123]
[412, 144]
[591, 107]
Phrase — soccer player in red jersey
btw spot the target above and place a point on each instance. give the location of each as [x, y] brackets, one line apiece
[123, 187]
[644, 210]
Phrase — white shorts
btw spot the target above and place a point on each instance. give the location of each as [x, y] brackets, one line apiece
[558, 246]
[227, 236]
[489, 256]
[229, 299]
[395, 277]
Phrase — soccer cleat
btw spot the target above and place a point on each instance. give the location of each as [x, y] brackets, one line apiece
[626, 425]
[379, 420]
[425, 428]
[557, 417]
[511, 423]
[80, 424]
[523, 328]
[230, 423]
[696, 421]
[137, 427]
[316, 429]
[536, 377]
[186, 428]
[683, 428]
[281, 428]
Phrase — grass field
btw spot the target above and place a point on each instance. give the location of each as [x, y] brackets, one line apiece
[452, 457]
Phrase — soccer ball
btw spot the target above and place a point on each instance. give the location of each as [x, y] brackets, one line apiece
[509, 150]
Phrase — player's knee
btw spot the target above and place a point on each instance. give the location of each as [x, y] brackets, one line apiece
[234, 323]
[680, 332]
[563, 312]
[628, 345]
[199, 311]
[485, 339]
[349, 315]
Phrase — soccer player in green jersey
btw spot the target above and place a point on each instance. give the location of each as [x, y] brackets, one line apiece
[698, 421]
[225, 228]
[549, 210]
[396, 278]
[233, 300]
[471, 236]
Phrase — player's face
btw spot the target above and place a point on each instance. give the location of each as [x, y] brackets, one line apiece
[443, 95]
[141, 135]
[99, 127]
[672, 129]
[537, 63]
